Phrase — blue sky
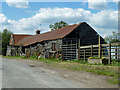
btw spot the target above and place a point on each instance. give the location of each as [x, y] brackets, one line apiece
[25, 17]
[18, 13]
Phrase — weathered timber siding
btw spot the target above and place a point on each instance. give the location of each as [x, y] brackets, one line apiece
[86, 34]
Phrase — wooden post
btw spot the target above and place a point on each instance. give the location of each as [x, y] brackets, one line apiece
[109, 53]
[21, 49]
[71, 51]
[79, 49]
[76, 50]
[102, 51]
[53, 48]
[84, 55]
[30, 50]
[62, 49]
[116, 53]
[99, 47]
[91, 50]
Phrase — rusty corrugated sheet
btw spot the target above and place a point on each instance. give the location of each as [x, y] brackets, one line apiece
[51, 35]
[16, 38]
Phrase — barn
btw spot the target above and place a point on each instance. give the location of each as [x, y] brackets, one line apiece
[61, 43]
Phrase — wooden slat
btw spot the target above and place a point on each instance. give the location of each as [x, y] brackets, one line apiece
[115, 48]
[114, 55]
[69, 49]
[95, 52]
[69, 54]
[105, 55]
[88, 55]
[88, 52]
[105, 52]
[83, 52]
[95, 49]
[103, 45]
[69, 45]
[105, 48]
[114, 52]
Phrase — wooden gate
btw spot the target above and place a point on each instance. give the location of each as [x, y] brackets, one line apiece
[103, 50]
[69, 49]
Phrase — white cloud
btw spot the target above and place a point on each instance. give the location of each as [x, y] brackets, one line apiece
[105, 19]
[115, 0]
[99, 4]
[3, 19]
[46, 16]
[103, 22]
[17, 3]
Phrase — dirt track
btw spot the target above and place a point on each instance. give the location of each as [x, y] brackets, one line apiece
[90, 80]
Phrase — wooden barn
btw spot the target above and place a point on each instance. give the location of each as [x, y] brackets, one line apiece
[61, 43]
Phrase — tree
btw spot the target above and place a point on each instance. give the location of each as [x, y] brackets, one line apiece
[114, 38]
[0, 44]
[58, 25]
[5, 40]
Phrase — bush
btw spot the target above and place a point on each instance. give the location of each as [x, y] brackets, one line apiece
[94, 58]
[51, 57]
[60, 56]
[115, 62]
[33, 57]
[82, 61]
[105, 60]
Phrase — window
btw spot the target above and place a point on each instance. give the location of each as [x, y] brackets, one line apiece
[53, 47]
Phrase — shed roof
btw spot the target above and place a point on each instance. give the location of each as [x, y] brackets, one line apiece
[51, 35]
[16, 38]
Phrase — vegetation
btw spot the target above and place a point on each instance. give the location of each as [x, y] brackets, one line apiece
[114, 38]
[94, 58]
[5, 40]
[0, 44]
[81, 65]
[58, 25]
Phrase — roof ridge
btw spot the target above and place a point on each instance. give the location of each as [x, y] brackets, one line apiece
[58, 29]
[21, 34]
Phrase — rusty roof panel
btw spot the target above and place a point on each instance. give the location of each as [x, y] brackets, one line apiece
[51, 35]
[17, 37]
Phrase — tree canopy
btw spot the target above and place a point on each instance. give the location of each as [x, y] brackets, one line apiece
[0, 43]
[5, 40]
[58, 25]
[113, 38]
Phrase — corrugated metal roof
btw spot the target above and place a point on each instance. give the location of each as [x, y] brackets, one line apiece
[51, 35]
[16, 38]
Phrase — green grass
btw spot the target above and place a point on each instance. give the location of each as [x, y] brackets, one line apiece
[76, 65]
[113, 81]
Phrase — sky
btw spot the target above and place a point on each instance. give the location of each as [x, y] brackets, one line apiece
[24, 17]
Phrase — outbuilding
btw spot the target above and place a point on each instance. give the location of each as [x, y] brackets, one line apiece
[61, 43]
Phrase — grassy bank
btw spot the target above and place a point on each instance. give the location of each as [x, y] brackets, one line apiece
[75, 65]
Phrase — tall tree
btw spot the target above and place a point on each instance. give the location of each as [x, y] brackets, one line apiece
[0, 44]
[114, 38]
[58, 25]
[5, 40]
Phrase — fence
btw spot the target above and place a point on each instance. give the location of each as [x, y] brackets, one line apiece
[69, 49]
[101, 50]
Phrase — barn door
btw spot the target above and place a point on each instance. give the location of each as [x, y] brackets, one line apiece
[69, 50]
